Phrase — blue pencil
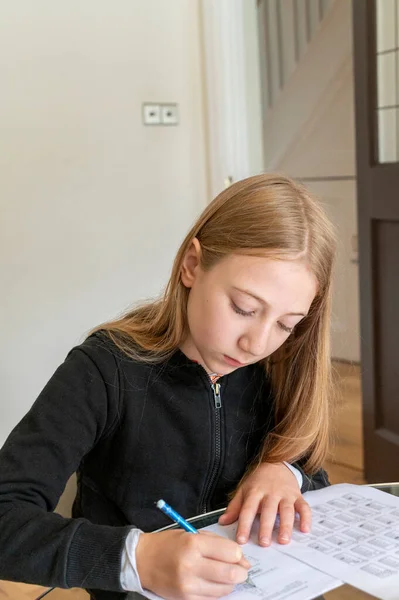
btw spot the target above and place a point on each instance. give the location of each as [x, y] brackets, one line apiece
[172, 514]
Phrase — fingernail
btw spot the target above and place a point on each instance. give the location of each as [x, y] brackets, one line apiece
[284, 537]
[241, 539]
[264, 541]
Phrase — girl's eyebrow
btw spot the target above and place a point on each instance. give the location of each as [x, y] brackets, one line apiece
[298, 314]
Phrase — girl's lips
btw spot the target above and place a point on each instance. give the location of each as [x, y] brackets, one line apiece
[232, 361]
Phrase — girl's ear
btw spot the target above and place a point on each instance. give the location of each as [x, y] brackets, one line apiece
[191, 264]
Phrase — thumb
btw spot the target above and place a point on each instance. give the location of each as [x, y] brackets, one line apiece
[232, 510]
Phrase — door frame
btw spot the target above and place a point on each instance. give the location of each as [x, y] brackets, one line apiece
[377, 206]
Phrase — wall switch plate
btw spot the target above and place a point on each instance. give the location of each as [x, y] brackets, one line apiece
[151, 114]
[169, 114]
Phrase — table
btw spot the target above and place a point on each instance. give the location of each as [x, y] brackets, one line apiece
[344, 592]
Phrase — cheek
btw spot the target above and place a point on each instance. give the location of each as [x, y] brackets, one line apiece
[275, 344]
[211, 321]
[201, 317]
[226, 328]
[214, 326]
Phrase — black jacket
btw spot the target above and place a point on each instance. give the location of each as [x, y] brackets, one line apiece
[134, 433]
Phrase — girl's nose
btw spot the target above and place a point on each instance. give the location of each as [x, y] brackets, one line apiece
[256, 341]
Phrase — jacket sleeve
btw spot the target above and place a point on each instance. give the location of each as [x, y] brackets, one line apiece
[74, 410]
[312, 482]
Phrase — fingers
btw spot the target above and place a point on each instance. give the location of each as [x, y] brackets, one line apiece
[218, 548]
[247, 516]
[216, 571]
[285, 509]
[189, 566]
[270, 507]
[243, 561]
[305, 515]
[267, 519]
[287, 517]
[222, 573]
[232, 510]
[271, 489]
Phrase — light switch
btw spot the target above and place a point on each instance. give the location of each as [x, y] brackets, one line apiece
[169, 114]
[151, 114]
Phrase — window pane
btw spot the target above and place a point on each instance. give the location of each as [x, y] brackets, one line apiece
[386, 24]
[387, 72]
[386, 79]
[387, 135]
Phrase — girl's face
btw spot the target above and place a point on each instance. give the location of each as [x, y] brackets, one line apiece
[243, 309]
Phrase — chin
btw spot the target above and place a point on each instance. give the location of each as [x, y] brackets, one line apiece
[225, 370]
[218, 366]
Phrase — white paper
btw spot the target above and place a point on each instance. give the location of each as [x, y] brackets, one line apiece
[273, 576]
[354, 537]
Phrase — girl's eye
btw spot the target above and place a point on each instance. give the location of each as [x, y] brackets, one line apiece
[285, 328]
[241, 312]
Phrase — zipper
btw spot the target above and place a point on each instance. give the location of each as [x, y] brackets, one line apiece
[216, 395]
[218, 443]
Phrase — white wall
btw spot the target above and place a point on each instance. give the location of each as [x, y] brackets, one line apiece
[93, 204]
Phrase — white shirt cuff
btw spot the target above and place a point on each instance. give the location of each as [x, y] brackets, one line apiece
[296, 472]
[130, 580]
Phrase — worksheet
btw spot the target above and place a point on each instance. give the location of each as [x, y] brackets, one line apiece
[354, 537]
[273, 575]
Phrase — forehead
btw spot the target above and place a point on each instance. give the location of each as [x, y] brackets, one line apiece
[289, 283]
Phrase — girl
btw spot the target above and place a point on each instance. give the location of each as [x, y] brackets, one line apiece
[205, 395]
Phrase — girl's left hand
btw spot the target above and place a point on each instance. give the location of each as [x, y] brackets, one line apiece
[270, 490]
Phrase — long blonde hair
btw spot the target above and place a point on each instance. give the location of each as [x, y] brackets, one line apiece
[272, 216]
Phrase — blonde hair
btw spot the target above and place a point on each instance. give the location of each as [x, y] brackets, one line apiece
[272, 216]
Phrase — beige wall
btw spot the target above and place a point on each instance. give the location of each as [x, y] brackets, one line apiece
[93, 204]
[309, 134]
[253, 87]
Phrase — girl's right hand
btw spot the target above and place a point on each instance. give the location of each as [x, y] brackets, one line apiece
[185, 566]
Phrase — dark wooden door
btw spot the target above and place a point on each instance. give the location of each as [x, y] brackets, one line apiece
[376, 72]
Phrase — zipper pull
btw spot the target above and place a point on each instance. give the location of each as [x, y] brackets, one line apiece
[216, 395]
